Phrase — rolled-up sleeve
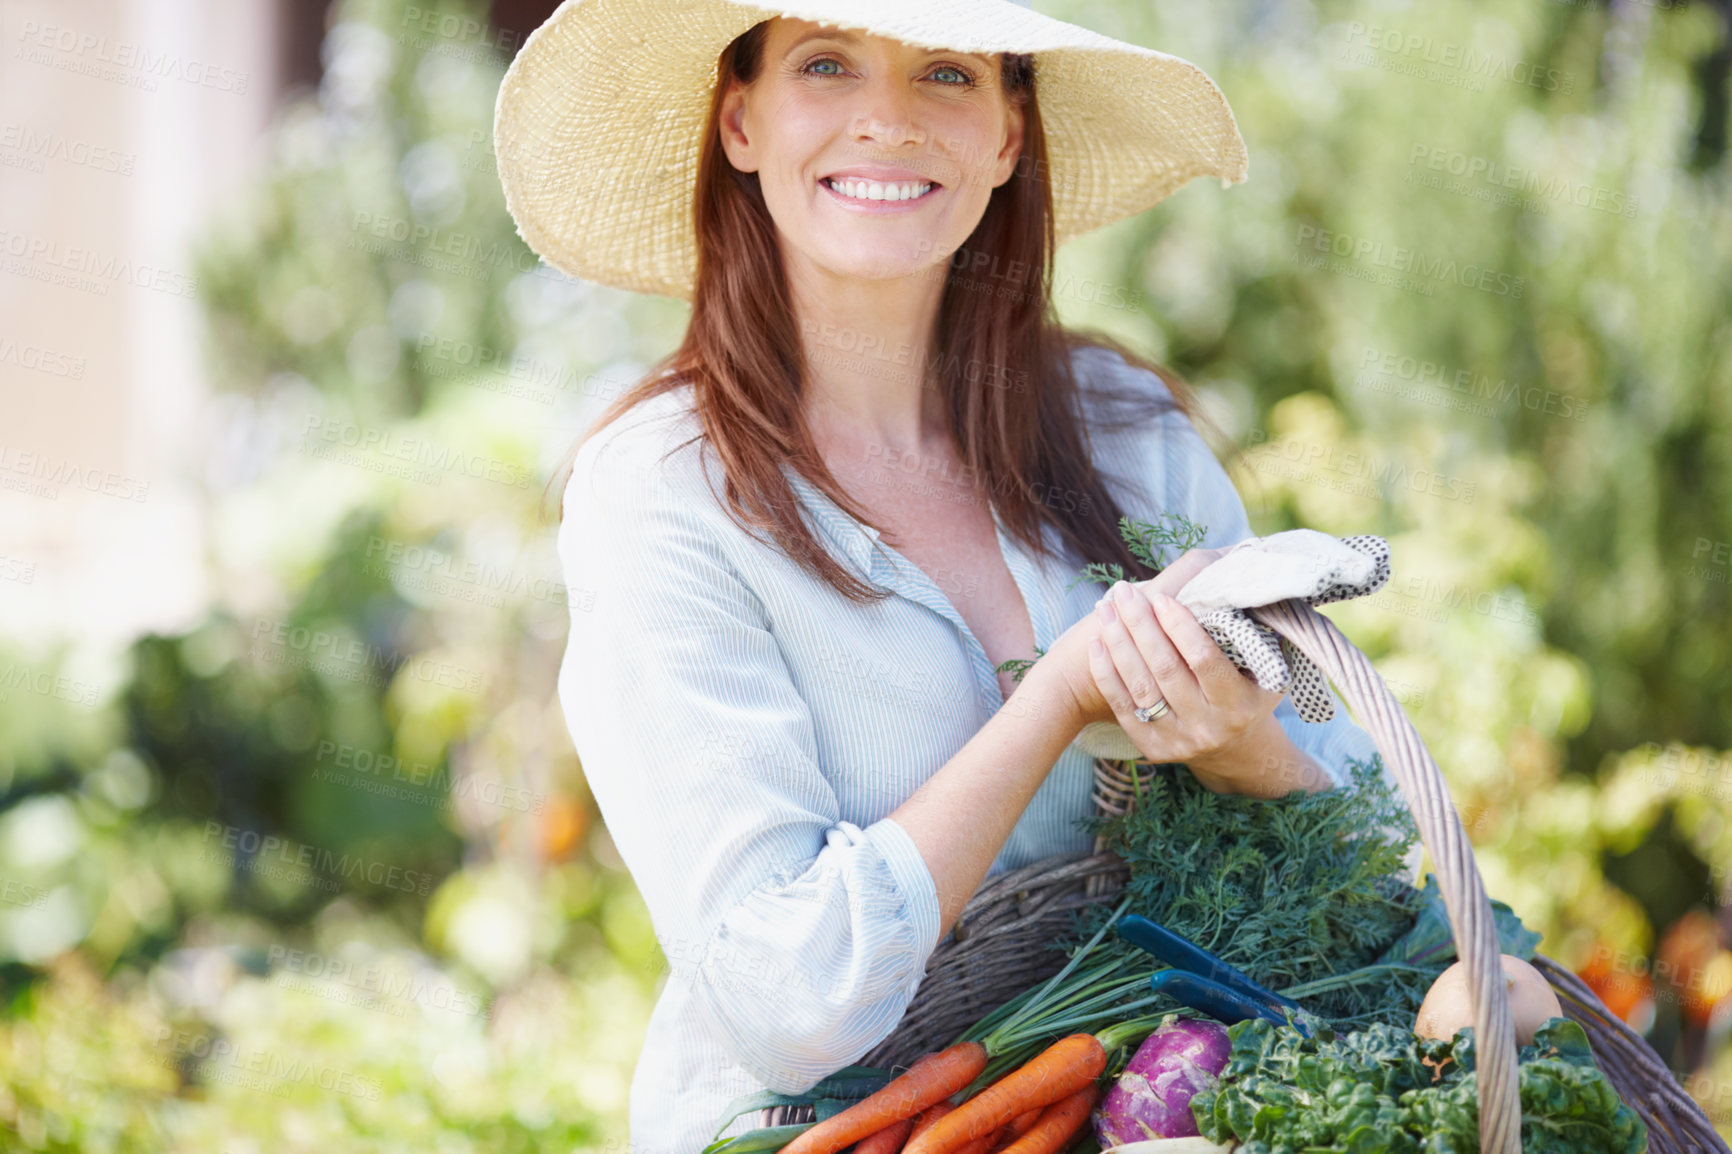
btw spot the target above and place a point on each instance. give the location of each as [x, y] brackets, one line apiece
[802, 936]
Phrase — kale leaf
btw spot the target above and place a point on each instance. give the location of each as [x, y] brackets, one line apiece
[1431, 941]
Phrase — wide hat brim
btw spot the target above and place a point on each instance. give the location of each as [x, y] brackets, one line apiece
[598, 122]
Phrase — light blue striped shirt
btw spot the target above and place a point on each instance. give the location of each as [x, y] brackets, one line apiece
[745, 730]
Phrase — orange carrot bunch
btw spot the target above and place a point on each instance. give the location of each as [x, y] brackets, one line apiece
[1035, 1109]
[1063, 1071]
[1057, 1124]
[935, 1077]
[1010, 1104]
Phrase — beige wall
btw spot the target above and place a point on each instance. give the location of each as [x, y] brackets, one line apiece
[123, 127]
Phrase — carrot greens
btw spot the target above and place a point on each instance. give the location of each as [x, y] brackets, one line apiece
[1299, 892]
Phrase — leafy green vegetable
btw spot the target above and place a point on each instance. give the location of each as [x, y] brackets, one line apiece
[1373, 1092]
[1292, 890]
[1431, 942]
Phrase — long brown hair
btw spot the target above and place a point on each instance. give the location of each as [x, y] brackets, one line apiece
[743, 355]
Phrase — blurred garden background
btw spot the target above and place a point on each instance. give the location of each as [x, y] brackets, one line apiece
[315, 869]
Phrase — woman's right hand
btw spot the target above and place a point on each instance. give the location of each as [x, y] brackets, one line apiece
[1069, 655]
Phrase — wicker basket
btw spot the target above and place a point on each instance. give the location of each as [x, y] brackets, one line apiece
[998, 945]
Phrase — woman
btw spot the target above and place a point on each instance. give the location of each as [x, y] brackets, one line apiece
[804, 546]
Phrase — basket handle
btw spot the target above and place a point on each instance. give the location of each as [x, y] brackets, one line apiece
[1422, 783]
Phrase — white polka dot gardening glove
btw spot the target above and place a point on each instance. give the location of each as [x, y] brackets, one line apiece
[1299, 563]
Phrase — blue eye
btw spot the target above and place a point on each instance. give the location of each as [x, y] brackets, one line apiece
[966, 78]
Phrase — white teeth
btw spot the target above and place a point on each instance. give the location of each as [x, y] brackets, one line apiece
[873, 190]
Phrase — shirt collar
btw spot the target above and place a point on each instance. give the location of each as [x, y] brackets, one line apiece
[855, 539]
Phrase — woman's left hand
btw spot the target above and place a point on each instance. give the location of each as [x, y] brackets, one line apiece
[1152, 649]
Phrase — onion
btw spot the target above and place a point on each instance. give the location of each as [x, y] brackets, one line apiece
[1152, 1098]
[1447, 1006]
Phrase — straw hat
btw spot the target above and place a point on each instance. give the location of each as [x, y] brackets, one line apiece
[597, 128]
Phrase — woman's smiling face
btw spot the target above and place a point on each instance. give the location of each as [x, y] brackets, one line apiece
[876, 158]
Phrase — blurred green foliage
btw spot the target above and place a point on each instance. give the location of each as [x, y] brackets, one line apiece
[325, 874]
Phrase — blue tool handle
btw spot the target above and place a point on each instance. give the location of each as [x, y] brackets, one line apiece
[1219, 1002]
[1156, 939]
[1212, 998]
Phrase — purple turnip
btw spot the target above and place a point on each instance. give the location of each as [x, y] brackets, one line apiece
[1152, 1098]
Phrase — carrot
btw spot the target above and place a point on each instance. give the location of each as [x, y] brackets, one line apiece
[1058, 1123]
[1019, 1125]
[888, 1140]
[981, 1145]
[1056, 1072]
[936, 1075]
[923, 1121]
